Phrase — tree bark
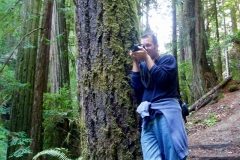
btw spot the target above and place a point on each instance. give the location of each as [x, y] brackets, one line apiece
[235, 51]
[22, 99]
[56, 136]
[105, 32]
[41, 79]
[202, 73]
[218, 50]
[59, 65]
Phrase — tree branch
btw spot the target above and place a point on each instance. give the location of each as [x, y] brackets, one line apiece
[17, 47]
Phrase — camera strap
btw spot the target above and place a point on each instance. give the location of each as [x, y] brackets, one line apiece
[146, 80]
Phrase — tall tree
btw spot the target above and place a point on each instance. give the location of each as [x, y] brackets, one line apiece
[196, 36]
[236, 41]
[56, 128]
[41, 80]
[59, 67]
[22, 99]
[174, 28]
[218, 50]
[184, 54]
[147, 5]
[105, 31]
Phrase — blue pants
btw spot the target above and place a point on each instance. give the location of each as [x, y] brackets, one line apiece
[156, 141]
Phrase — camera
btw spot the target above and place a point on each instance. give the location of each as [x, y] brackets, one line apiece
[135, 48]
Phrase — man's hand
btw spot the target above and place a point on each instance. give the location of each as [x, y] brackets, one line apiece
[133, 57]
[141, 55]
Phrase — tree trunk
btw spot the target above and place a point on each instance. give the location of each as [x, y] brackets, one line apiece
[184, 54]
[208, 96]
[59, 77]
[22, 100]
[59, 67]
[41, 79]
[147, 5]
[203, 76]
[218, 50]
[105, 31]
[235, 51]
[174, 28]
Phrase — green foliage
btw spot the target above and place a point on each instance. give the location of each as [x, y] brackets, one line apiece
[211, 119]
[21, 142]
[57, 152]
[3, 142]
[233, 88]
[8, 84]
[185, 79]
[9, 22]
[57, 108]
[220, 96]
[60, 153]
[236, 36]
[197, 121]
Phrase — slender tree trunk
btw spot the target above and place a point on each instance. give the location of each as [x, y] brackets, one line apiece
[41, 79]
[22, 100]
[147, 5]
[184, 53]
[219, 57]
[105, 31]
[227, 71]
[174, 28]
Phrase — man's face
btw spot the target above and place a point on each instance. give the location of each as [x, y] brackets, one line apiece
[150, 47]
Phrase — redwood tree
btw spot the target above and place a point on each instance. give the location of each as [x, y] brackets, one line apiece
[105, 31]
[22, 99]
[195, 45]
[41, 79]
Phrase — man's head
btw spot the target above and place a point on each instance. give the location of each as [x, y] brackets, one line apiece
[151, 45]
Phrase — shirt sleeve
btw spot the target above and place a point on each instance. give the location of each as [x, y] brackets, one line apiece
[137, 85]
[165, 71]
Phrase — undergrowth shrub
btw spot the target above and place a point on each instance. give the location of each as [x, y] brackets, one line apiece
[21, 143]
[59, 110]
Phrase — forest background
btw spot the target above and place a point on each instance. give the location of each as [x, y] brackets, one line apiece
[65, 70]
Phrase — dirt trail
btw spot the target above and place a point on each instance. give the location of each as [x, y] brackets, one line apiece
[221, 140]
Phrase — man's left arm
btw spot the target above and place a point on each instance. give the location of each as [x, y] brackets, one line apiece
[165, 71]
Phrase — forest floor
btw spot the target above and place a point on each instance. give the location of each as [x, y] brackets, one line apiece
[214, 130]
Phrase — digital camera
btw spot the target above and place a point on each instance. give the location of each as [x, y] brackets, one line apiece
[135, 48]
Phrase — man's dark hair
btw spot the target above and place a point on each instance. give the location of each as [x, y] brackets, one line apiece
[154, 38]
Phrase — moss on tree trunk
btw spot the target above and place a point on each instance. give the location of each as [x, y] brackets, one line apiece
[105, 31]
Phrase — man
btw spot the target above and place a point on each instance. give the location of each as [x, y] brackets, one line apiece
[154, 79]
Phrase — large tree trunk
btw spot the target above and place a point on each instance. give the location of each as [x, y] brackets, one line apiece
[105, 31]
[203, 75]
[41, 79]
[22, 100]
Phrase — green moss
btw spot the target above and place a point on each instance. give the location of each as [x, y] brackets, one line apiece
[108, 76]
[233, 88]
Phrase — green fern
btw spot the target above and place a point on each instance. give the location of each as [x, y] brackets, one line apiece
[56, 152]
